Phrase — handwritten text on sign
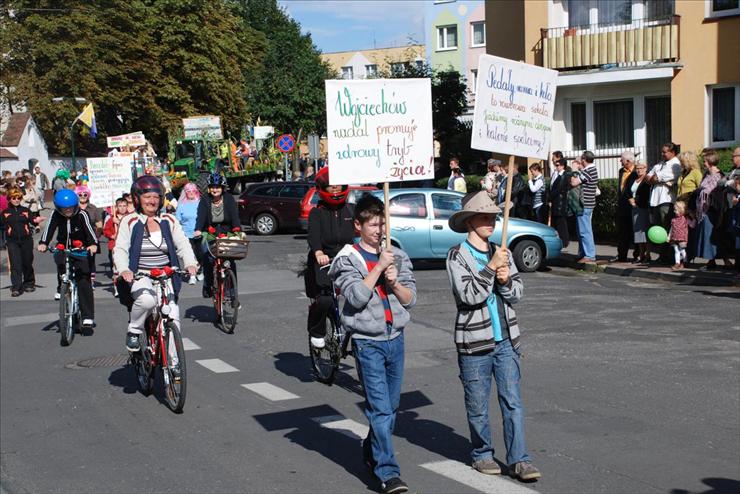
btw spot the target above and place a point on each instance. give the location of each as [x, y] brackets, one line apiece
[109, 178]
[513, 107]
[379, 130]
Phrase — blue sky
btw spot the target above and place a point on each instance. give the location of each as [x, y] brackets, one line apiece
[358, 24]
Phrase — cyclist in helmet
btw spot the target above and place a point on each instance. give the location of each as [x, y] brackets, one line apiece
[217, 213]
[148, 240]
[74, 228]
[330, 227]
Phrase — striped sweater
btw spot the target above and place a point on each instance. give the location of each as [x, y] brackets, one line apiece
[590, 179]
[471, 288]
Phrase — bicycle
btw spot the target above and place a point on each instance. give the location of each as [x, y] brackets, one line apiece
[325, 361]
[162, 346]
[225, 291]
[69, 302]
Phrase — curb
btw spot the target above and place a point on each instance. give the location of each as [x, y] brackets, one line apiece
[693, 277]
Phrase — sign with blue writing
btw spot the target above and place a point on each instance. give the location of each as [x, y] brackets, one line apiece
[514, 103]
[379, 130]
[286, 143]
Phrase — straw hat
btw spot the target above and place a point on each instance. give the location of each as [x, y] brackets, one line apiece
[472, 204]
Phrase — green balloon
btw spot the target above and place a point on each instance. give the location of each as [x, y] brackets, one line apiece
[657, 234]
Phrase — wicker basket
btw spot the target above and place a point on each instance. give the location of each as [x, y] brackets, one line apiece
[230, 248]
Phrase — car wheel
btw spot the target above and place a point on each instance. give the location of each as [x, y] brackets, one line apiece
[527, 256]
[265, 224]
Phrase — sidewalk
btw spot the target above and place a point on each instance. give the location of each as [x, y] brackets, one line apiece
[695, 274]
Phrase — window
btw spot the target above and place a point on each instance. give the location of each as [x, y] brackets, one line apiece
[660, 8]
[722, 8]
[445, 204]
[614, 124]
[419, 64]
[614, 11]
[408, 206]
[724, 113]
[347, 73]
[473, 80]
[578, 13]
[371, 70]
[578, 125]
[398, 68]
[294, 191]
[477, 34]
[446, 37]
[267, 190]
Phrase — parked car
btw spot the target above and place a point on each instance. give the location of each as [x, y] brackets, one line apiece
[419, 226]
[269, 206]
[312, 199]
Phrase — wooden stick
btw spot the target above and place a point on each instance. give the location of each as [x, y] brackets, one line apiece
[507, 201]
[386, 194]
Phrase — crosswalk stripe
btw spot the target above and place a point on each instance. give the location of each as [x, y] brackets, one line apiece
[30, 319]
[489, 484]
[271, 392]
[217, 365]
[187, 344]
[343, 425]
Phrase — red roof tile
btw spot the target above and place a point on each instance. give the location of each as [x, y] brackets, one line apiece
[4, 153]
[14, 132]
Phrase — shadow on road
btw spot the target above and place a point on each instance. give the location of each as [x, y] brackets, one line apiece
[201, 313]
[125, 378]
[297, 365]
[716, 486]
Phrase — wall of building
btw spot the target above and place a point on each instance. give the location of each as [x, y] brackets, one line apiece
[382, 57]
[31, 146]
[709, 55]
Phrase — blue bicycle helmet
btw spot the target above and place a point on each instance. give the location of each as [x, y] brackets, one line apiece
[66, 198]
[216, 180]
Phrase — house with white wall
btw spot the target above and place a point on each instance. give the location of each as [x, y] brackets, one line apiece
[22, 141]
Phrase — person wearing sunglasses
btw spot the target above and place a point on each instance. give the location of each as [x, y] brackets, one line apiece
[94, 213]
[18, 224]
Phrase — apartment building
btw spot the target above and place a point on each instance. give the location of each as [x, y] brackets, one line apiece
[632, 73]
[367, 64]
[456, 37]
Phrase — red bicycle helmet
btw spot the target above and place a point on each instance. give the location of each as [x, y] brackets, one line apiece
[322, 182]
[144, 184]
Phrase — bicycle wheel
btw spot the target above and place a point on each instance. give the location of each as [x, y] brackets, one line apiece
[175, 377]
[325, 361]
[229, 301]
[141, 363]
[66, 315]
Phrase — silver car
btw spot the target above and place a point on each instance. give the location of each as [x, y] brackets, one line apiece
[419, 226]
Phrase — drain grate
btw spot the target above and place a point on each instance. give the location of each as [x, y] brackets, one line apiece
[117, 360]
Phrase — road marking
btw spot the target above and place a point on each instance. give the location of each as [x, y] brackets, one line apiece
[217, 365]
[272, 393]
[31, 319]
[490, 484]
[187, 344]
[348, 427]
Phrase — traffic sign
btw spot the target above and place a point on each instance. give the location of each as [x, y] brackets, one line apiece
[286, 143]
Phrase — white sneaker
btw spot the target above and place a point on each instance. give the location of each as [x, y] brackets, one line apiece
[318, 342]
[191, 280]
[57, 296]
[199, 277]
[88, 323]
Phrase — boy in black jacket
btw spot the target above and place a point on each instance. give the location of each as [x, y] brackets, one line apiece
[18, 224]
[75, 231]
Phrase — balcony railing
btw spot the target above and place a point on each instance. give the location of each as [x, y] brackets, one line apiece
[639, 42]
[607, 160]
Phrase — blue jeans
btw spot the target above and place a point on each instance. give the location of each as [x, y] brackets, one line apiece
[380, 368]
[475, 373]
[586, 246]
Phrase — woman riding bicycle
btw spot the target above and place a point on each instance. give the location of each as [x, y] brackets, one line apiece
[330, 227]
[217, 214]
[74, 228]
[148, 240]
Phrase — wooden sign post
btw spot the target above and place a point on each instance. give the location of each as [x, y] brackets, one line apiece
[387, 209]
[507, 202]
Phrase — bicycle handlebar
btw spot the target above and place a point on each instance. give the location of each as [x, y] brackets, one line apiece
[165, 273]
[79, 252]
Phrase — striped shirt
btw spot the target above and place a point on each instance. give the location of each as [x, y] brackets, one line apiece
[495, 309]
[590, 180]
[371, 260]
[154, 251]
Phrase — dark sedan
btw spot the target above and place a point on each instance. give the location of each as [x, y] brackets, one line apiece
[270, 206]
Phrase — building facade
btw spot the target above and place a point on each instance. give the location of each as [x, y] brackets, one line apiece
[367, 64]
[21, 142]
[456, 37]
[633, 74]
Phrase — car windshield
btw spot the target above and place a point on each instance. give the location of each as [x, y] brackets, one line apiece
[189, 149]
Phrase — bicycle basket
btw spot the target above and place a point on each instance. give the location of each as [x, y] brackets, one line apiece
[230, 248]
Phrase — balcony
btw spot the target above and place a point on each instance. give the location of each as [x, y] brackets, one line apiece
[641, 42]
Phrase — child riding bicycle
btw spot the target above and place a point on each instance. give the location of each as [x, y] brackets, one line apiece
[74, 228]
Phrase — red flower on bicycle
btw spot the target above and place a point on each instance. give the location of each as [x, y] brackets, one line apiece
[77, 244]
[221, 235]
[236, 229]
[211, 230]
[60, 246]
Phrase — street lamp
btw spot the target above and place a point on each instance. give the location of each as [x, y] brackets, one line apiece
[78, 100]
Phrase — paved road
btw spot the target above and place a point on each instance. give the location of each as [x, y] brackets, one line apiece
[629, 387]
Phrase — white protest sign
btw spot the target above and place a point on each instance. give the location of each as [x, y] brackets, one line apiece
[263, 131]
[109, 179]
[207, 125]
[513, 107]
[133, 139]
[379, 130]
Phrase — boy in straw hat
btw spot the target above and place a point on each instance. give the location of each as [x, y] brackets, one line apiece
[485, 284]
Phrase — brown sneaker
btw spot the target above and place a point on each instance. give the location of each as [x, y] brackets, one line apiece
[525, 471]
[676, 267]
[487, 466]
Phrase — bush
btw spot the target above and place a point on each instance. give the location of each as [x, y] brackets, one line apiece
[605, 213]
[725, 158]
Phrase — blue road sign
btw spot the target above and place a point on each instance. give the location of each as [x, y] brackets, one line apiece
[286, 143]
